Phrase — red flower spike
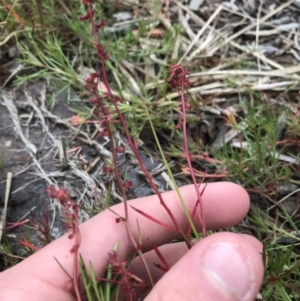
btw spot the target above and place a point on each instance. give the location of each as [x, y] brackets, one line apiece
[178, 77]
[87, 1]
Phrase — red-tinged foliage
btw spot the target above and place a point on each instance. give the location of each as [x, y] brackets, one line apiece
[61, 194]
[160, 266]
[43, 227]
[154, 219]
[105, 106]
[25, 243]
[123, 277]
[165, 267]
[178, 80]
[16, 224]
[70, 210]
[100, 107]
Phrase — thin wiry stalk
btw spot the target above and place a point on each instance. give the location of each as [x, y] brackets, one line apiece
[113, 147]
[178, 80]
[130, 141]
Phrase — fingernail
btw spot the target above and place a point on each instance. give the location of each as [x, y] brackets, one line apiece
[229, 269]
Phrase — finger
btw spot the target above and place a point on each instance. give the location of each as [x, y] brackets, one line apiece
[171, 254]
[223, 266]
[225, 204]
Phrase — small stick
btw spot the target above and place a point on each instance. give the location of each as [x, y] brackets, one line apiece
[7, 192]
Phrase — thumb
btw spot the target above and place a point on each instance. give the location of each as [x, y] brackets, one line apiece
[223, 266]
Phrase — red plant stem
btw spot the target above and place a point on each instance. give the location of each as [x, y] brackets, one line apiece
[186, 151]
[166, 266]
[16, 224]
[171, 228]
[75, 258]
[118, 177]
[131, 144]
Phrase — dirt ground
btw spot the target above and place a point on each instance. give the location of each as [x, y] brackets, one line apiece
[41, 147]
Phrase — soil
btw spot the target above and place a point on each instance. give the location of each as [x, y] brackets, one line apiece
[33, 173]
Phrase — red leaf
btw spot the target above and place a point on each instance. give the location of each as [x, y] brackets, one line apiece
[154, 219]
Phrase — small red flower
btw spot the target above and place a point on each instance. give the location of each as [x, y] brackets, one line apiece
[87, 16]
[178, 77]
[120, 149]
[128, 184]
[94, 100]
[100, 24]
[62, 194]
[102, 53]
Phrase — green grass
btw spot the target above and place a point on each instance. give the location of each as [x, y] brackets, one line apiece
[256, 165]
[60, 46]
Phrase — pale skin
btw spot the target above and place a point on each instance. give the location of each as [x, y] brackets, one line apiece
[39, 277]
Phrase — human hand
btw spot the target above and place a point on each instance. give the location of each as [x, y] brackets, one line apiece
[223, 266]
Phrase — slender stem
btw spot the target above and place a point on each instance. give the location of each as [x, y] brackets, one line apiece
[133, 146]
[186, 151]
[114, 153]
